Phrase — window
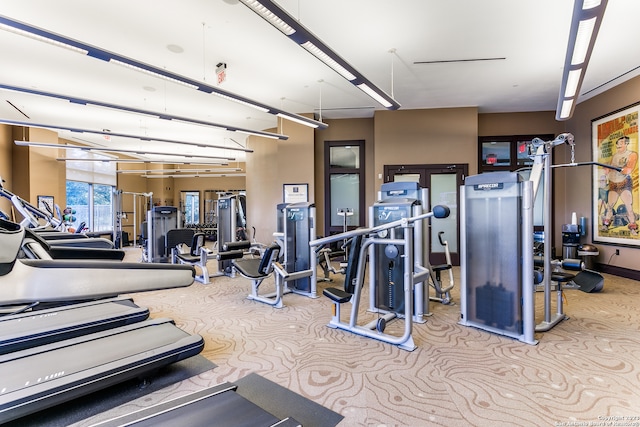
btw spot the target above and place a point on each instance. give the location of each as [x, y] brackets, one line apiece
[90, 186]
[344, 183]
[511, 153]
[505, 153]
[91, 204]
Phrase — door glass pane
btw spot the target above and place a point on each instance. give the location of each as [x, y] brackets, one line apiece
[345, 157]
[345, 195]
[191, 206]
[443, 192]
[77, 204]
[496, 153]
[102, 207]
[406, 177]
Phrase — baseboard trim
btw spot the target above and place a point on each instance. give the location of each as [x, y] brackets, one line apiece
[619, 271]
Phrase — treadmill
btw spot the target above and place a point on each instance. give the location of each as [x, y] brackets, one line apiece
[40, 377]
[219, 405]
[34, 328]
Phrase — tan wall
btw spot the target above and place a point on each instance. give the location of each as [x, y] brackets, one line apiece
[577, 185]
[273, 164]
[47, 176]
[447, 135]
[6, 165]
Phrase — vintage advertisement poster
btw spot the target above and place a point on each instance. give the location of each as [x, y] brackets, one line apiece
[616, 203]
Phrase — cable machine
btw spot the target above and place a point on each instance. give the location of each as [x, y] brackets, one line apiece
[142, 202]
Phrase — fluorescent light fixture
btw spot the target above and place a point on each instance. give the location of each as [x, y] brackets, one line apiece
[572, 83]
[123, 135]
[583, 37]
[153, 74]
[202, 175]
[141, 152]
[155, 162]
[280, 19]
[104, 55]
[585, 23]
[164, 116]
[176, 171]
[269, 16]
[293, 119]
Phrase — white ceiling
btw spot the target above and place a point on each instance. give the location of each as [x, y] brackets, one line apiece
[381, 38]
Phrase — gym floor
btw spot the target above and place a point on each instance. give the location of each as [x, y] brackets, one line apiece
[585, 369]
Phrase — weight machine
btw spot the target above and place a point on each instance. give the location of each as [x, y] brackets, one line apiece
[396, 240]
[141, 202]
[497, 269]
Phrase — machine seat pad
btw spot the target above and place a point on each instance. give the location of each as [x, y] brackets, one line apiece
[337, 295]
[249, 267]
[562, 277]
[441, 267]
[191, 259]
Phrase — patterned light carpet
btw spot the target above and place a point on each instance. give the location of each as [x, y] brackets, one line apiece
[584, 371]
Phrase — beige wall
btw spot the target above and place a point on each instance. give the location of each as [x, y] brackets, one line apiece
[273, 164]
[447, 135]
[6, 164]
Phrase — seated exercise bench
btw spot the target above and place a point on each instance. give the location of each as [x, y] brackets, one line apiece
[258, 269]
[197, 254]
[229, 252]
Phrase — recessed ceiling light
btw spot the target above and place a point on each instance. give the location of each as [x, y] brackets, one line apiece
[175, 48]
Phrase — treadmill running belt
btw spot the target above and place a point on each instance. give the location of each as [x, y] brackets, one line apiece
[40, 377]
[219, 405]
[34, 328]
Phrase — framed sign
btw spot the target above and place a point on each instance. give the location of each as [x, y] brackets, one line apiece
[45, 203]
[294, 193]
[616, 198]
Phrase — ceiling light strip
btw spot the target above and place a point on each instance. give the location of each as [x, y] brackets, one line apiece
[122, 135]
[155, 162]
[140, 152]
[98, 53]
[164, 116]
[270, 11]
[585, 23]
[176, 171]
[202, 175]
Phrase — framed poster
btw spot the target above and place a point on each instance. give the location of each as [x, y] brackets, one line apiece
[45, 204]
[294, 193]
[616, 198]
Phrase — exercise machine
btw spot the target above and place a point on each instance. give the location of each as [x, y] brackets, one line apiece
[300, 259]
[396, 238]
[257, 270]
[188, 247]
[160, 219]
[402, 200]
[231, 235]
[25, 281]
[141, 202]
[220, 403]
[31, 327]
[37, 378]
[297, 271]
[496, 292]
[497, 271]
